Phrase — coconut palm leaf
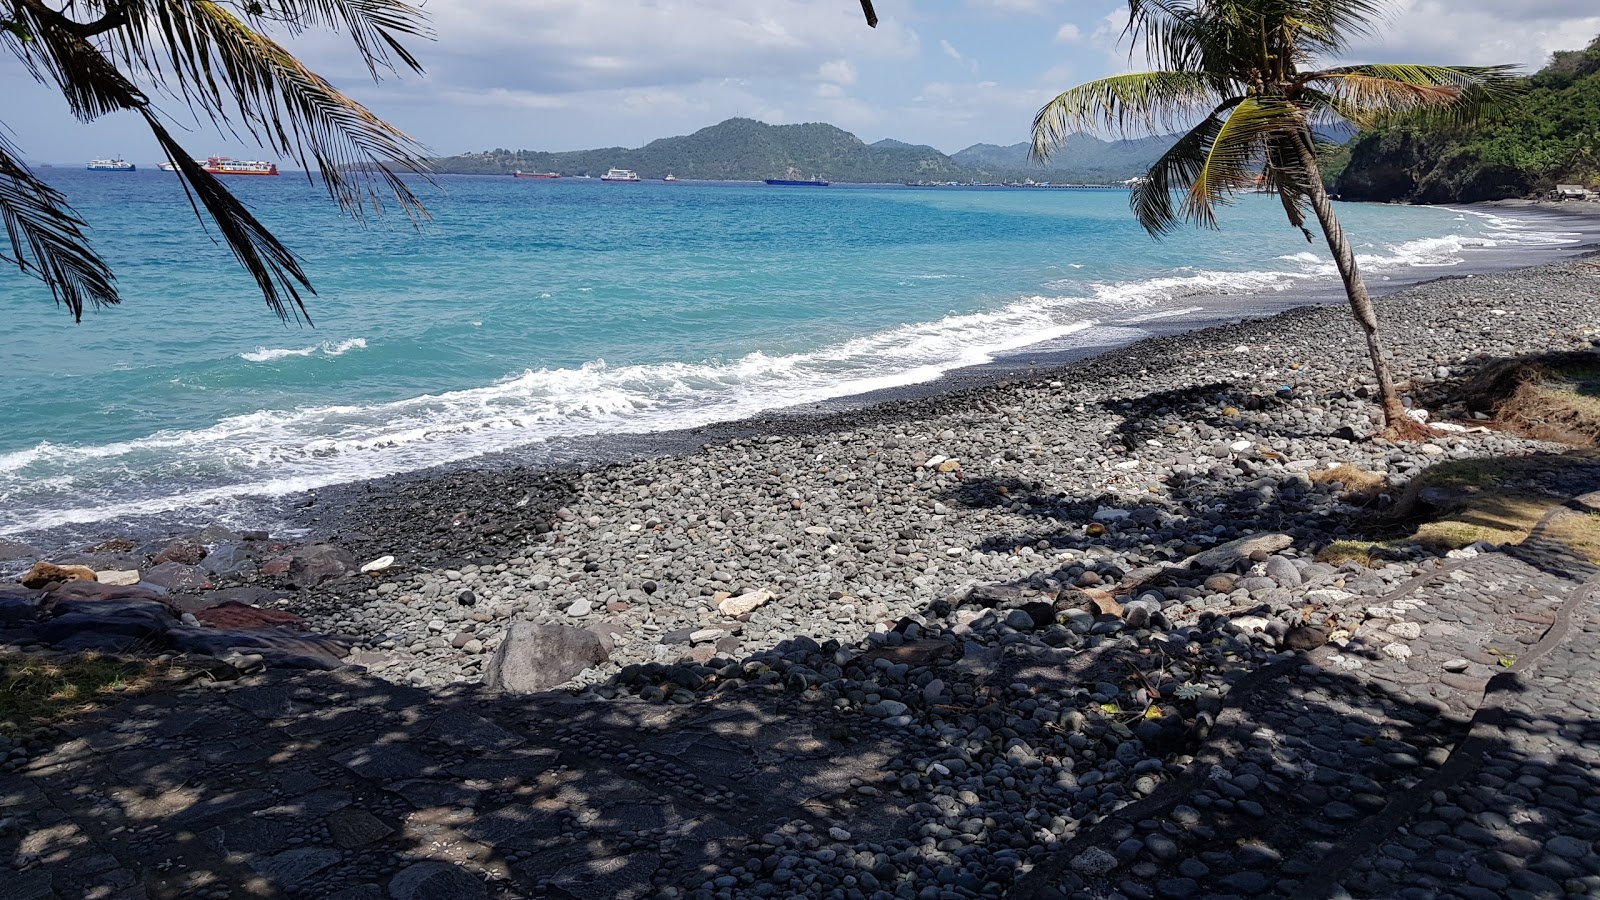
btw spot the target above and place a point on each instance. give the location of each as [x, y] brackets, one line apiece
[375, 26]
[1152, 199]
[199, 51]
[1285, 174]
[1150, 101]
[94, 86]
[1234, 156]
[1370, 94]
[48, 239]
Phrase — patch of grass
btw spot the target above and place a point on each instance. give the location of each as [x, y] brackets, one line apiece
[37, 691]
[1578, 530]
[1340, 552]
[1359, 484]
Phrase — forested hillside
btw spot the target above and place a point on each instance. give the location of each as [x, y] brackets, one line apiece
[747, 150]
[1551, 136]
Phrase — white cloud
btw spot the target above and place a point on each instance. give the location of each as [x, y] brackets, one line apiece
[577, 45]
[1027, 7]
[970, 65]
[838, 72]
[1481, 32]
[1069, 34]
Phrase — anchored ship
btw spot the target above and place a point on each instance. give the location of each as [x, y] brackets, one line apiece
[521, 174]
[225, 165]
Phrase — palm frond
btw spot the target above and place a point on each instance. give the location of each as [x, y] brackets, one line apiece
[1149, 101]
[1152, 199]
[1287, 175]
[48, 239]
[375, 26]
[201, 53]
[1172, 33]
[94, 86]
[274, 267]
[1234, 155]
[1370, 94]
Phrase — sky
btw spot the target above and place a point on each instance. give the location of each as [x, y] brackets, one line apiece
[573, 74]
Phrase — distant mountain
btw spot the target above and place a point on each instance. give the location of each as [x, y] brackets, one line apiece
[737, 150]
[747, 150]
[1083, 159]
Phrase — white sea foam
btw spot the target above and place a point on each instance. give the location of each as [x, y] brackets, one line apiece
[1442, 251]
[326, 348]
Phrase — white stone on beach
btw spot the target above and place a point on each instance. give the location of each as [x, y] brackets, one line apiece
[377, 565]
[1406, 630]
[119, 577]
[744, 603]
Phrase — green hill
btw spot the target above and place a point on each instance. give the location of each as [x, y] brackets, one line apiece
[1551, 137]
[747, 150]
[735, 150]
[1084, 160]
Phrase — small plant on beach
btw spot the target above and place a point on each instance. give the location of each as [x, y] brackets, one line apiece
[1252, 72]
[216, 58]
[37, 690]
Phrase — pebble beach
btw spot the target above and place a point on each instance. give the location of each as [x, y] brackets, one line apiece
[1069, 478]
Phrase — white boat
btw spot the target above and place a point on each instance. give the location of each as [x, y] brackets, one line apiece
[620, 175]
[110, 165]
[670, 177]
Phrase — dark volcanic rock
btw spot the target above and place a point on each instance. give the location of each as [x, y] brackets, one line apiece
[231, 559]
[175, 576]
[313, 564]
[120, 622]
[183, 550]
[280, 647]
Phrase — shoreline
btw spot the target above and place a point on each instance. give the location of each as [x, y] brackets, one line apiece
[1038, 360]
[315, 513]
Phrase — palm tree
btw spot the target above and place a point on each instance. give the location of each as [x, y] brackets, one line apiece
[1251, 68]
[215, 58]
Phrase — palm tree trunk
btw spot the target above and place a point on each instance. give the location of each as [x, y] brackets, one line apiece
[1344, 258]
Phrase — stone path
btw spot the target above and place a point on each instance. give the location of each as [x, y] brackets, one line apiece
[1458, 759]
[1468, 767]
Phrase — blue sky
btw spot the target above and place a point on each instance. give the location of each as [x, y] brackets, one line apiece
[566, 74]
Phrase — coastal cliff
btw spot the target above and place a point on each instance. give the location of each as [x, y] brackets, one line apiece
[1550, 136]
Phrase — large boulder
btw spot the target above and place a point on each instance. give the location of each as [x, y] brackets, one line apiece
[187, 551]
[231, 559]
[177, 577]
[233, 614]
[539, 657]
[44, 573]
[313, 564]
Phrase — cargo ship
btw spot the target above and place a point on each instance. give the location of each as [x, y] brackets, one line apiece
[224, 165]
[111, 165]
[797, 182]
[521, 174]
[620, 175]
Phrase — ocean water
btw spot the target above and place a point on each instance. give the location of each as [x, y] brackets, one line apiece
[529, 310]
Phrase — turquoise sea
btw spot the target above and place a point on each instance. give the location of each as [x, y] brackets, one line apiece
[533, 310]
